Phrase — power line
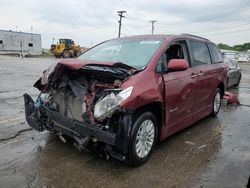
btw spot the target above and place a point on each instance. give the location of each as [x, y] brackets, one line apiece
[224, 28]
[120, 14]
[110, 25]
[230, 32]
[209, 18]
[205, 19]
[133, 21]
[217, 16]
[127, 31]
[218, 28]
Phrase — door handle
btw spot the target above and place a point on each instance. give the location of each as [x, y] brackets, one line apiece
[201, 74]
[193, 75]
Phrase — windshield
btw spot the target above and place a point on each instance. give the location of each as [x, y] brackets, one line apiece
[133, 52]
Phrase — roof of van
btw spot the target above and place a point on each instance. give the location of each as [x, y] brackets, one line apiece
[161, 36]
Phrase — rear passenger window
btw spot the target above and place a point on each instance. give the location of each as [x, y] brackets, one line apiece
[200, 53]
[215, 54]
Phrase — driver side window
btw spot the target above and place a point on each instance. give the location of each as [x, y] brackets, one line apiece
[176, 50]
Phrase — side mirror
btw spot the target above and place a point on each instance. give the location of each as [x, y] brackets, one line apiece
[176, 65]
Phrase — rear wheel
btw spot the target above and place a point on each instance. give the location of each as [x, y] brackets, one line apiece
[78, 53]
[57, 56]
[144, 137]
[216, 102]
[66, 54]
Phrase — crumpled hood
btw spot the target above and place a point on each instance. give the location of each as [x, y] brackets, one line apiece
[56, 70]
[77, 64]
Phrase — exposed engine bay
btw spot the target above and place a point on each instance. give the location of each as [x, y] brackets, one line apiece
[90, 94]
[83, 101]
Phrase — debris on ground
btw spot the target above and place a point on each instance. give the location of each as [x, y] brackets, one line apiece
[189, 142]
[202, 146]
[231, 98]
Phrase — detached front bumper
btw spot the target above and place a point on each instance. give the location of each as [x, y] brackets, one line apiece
[37, 116]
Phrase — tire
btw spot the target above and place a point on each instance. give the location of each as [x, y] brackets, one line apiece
[72, 55]
[216, 102]
[143, 139]
[78, 53]
[66, 54]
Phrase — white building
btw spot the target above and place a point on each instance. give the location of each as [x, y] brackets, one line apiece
[21, 43]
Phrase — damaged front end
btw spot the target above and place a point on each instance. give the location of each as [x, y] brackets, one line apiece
[84, 103]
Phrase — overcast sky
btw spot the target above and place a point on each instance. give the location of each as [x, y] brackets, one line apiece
[89, 22]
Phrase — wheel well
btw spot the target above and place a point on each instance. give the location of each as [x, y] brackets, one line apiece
[156, 108]
[222, 88]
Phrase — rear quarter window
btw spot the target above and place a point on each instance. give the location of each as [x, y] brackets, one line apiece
[215, 54]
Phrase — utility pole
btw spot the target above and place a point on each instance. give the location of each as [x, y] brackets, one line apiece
[21, 46]
[31, 30]
[153, 25]
[120, 14]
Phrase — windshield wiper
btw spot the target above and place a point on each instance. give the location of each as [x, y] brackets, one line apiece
[138, 70]
[122, 65]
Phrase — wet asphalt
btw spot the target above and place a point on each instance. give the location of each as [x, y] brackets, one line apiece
[215, 152]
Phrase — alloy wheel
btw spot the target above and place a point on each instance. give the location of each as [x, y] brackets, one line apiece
[145, 138]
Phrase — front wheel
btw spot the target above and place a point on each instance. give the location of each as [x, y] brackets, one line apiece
[66, 54]
[78, 53]
[144, 137]
[216, 102]
[58, 56]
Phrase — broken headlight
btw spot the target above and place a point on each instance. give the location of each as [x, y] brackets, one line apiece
[44, 97]
[105, 107]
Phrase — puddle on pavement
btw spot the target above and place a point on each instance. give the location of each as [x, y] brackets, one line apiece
[47, 161]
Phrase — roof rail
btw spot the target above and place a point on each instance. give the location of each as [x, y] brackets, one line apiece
[186, 34]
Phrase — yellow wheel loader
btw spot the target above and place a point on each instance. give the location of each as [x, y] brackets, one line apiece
[66, 48]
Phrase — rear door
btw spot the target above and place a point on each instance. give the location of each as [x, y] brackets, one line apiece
[204, 72]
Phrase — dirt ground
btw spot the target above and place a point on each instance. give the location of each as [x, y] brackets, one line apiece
[215, 152]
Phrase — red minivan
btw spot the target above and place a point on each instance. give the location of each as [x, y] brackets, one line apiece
[125, 94]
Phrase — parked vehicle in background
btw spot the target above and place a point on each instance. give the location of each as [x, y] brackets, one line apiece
[66, 48]
[233, 73]
[243, 59]
[128, 93]
[229, 54]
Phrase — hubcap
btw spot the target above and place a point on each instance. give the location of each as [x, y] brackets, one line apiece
[217, 101]
[145, 138]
